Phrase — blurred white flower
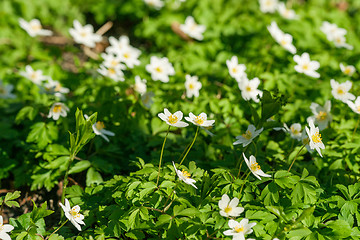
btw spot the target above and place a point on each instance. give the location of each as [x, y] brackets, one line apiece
[246, 138]
[115, 73]
[249, 89]
[147, 99]
[236, 70]
[111, 60]
[239, 229]
[34, 28]
[36, 77]
[192, 86]
[335, 34]
[130, 56]
[340, 91]
[117, 44]
[294, 130]
[173, 119]
[347, 70]
[99, 129]
[5, 91]
[268, 6]
[314, 137]
[160, 69]
[54, 87]
[200, 120]
[73, 214]
[4, 229]
[285, 12]
[192, 29]
[340, 41]
[306, 66]
[157, 4]
[58, 109]
[229, 208]
[140, 85]
[255, 167]
[284, 39]
[355, 106]
[84, 34]
[185, 176]
[322, 115]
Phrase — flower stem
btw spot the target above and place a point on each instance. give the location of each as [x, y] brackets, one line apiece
[71, 159]
[161, 155]
[243, 184]
[356, 126]
[296, 156]
[197, 130]
[57, 229]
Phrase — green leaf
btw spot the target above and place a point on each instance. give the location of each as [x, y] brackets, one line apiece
[80, 166]
[93, 176]
[163, 219]
[340, 228]
[39, 213]
[285, 179]
[42, 134]
[188, 212]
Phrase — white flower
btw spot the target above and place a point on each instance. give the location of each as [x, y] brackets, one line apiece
[294, 130]
[284, 39]
[129, 55]
[192, 86]
[110, 60]
[306, 66]
[200, 120]
[56, 88]
[4, 229]
[140, 85]
[192, 29]
[229, 208]
[173, 119]
[160, 69]
[268, 5]
[34, 28]
[347, 70]
[185, 176]
[236, 70]
[255, 167]
[340, 91]
[99, 129]
[157, 4]
[239, 229]
[340, 41]
[322, 115]
[355, 106]
[114, 73]
[314, 137]
[73, 214]
[305, 140]
[331, 30]
[116, 45]
[5, 91]
[57, 110]
[285, 12]
[147, 99]
[84, 34]
[246, 138]
[249, 89]
[36, 77]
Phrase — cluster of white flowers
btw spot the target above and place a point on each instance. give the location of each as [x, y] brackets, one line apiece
[271, 6]
[335, 34]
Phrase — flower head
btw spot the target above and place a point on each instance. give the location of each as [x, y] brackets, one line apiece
[246, 138]
[34, 28]
[84, 34]
[355, 106]
[140, 85]
[5, 91]
[192, 86]
[57, 110]
[192, 29]
[160, 69]
[55, 87]
[322, 115]
[157, 4]
[73, 214]
[255, 167]
[284, 39]
[285, 12]
[340, 91]
[335, 34]
[36, 77]
[249, 89]
[229, 208]
[173, 119]
[268, 5]
[306, 66]
[294, 130]
[315, 141]
[347, 70]
[185, 176]
[200, 120]
[147, 99]
[4, 229]
[115, 73]
[99, 129]
[239, 229]
[236, 70]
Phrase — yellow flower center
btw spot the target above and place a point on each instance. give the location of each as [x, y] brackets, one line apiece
[228, 209]
[126, 55]
[111, 71]
[255, 167]
[57, 88]
[114, 63]
[234, 70]
[316, 137]
[33, 75]
[100, 125]
[36, 27]
[185, 174]
[294, 131]
[191, 86]
[340, 91]
[74, 213]
[305, 66]
[173, 119]
[83, 34]
[321, 116]
[239, 229]
[158, 69]
[358, 108]
[57, 109]
[347, 70]
[193, 27]
[248, 89]
[283, 42]
[247, 135]
[199, 120]
[1, 228]
[338, 40]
